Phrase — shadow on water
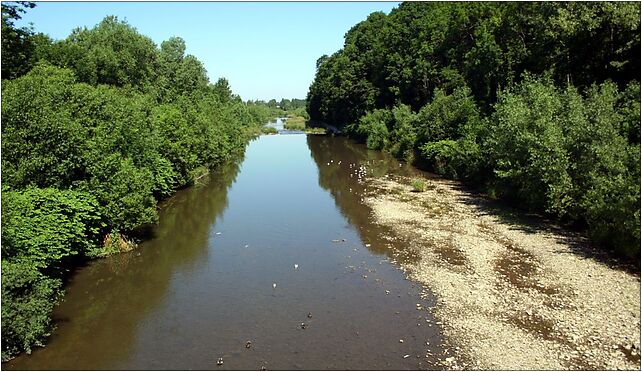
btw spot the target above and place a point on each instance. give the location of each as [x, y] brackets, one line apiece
[107, 299]
[339, 160]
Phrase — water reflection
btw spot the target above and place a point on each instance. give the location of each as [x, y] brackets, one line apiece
[203, 286]
[341, 163]
[106, 300]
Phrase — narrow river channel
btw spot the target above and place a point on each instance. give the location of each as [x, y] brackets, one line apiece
[290, 214]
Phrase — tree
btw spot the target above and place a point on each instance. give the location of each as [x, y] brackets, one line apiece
[17, 43]
[113, 53]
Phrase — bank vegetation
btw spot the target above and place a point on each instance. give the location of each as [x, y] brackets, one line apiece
[96, 129]
[537, 104]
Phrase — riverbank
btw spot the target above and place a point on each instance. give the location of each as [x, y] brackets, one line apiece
[512, 292]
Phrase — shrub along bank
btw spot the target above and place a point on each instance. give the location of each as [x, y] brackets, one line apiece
[96, 129]
[519, 99]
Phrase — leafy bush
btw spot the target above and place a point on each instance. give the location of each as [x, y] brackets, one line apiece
[373, 126]
[45, 226]
[535, 132]
[402, 136]
[607, 170]
[124, 192]
[527, 146]
[28, 298]
[447, 157]
[447, 116]
[176, 141]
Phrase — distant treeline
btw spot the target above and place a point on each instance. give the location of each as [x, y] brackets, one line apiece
[96, 129]
[536, 103]
[284, 104]
[285, 107]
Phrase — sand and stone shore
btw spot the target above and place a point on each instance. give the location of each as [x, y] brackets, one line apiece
[513, 292]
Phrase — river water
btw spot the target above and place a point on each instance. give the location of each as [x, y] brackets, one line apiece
[290, 214]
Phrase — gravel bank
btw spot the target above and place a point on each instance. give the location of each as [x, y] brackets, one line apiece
[512, 292]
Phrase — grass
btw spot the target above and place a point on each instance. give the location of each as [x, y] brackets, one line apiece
[315, 130]
[269, 130]
[418, 185]
[294, 123]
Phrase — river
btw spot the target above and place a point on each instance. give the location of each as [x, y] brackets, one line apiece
[276, 249]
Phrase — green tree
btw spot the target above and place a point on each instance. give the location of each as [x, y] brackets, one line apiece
[113, 53]
[42, 141]
[17, 42]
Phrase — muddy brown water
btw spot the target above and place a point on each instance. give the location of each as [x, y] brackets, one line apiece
[204, 284]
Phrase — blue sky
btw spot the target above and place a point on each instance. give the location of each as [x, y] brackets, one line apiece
[266, 50]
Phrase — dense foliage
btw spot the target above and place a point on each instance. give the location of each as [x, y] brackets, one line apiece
[17, 43]
[538, 103]
[96, 128]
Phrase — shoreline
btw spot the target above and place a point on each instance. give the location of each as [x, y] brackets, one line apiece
[511, 294]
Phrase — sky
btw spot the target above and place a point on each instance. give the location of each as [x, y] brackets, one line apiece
[264, 49]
